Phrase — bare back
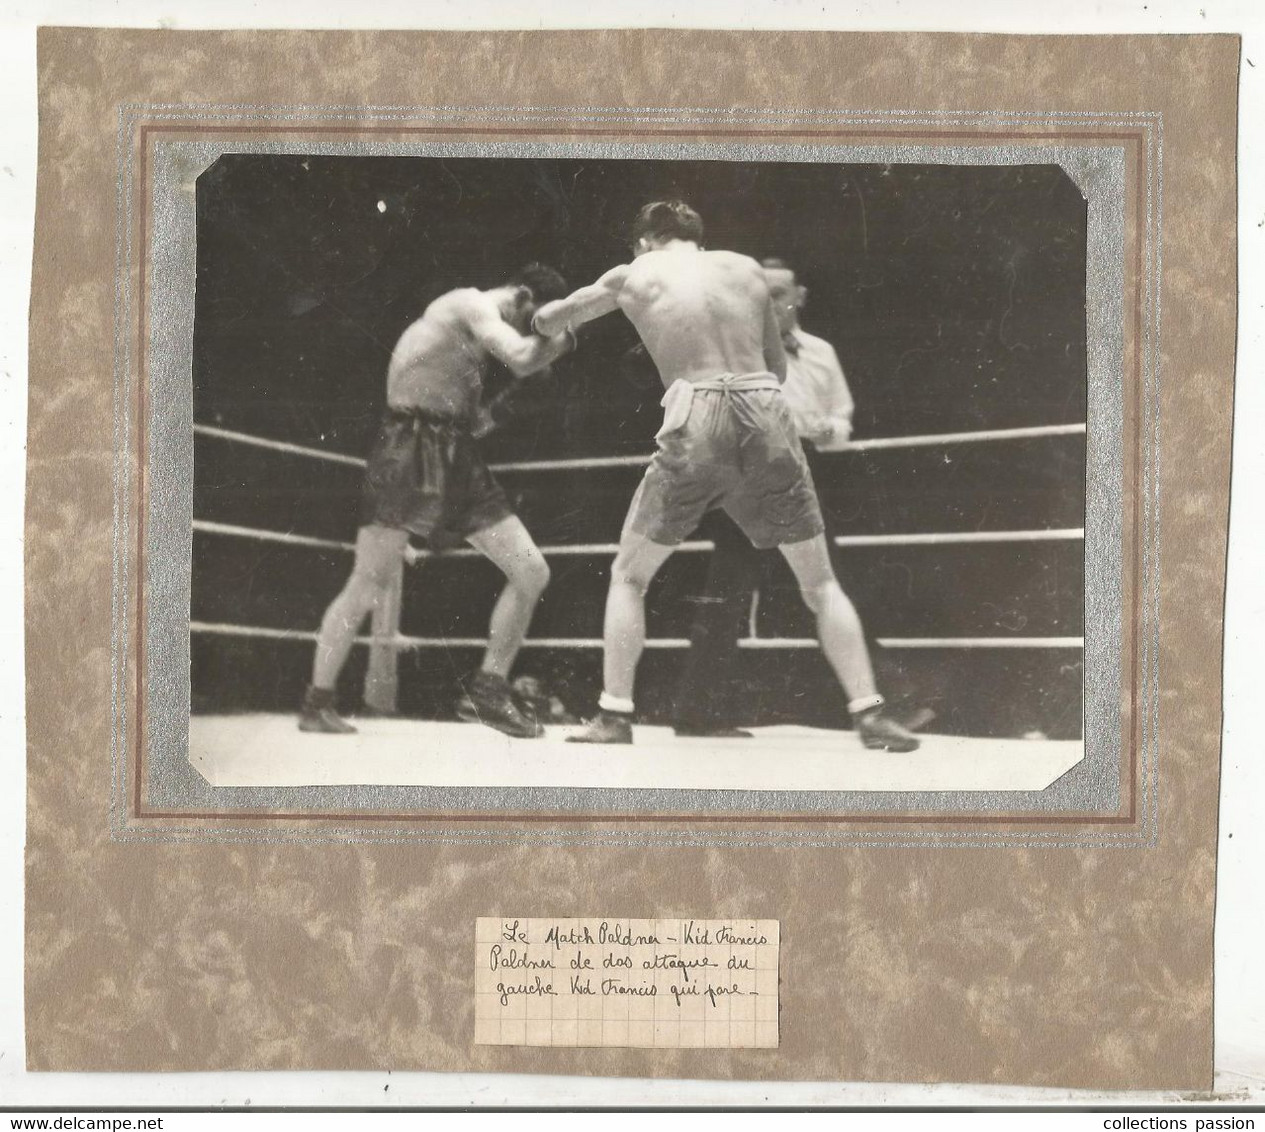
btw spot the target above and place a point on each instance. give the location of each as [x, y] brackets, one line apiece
[438, 365]
[699, 313]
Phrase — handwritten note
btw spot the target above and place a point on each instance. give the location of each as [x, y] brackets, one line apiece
[620, 982]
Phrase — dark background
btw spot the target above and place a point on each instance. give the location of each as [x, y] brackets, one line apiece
[954, 295]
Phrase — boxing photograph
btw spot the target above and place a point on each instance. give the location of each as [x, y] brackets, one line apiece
[651, 474]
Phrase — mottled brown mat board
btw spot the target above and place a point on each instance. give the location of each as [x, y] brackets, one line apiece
[1022, 252]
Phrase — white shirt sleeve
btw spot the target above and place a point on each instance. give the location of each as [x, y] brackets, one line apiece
[836, 403]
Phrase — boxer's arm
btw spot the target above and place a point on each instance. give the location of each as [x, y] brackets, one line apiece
[522, 355]
[583, 305]
[492, 414]
[774, 352]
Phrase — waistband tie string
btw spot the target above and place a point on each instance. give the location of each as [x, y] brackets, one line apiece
[679, 398]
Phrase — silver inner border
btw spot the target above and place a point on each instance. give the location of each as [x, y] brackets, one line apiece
[1093, 785]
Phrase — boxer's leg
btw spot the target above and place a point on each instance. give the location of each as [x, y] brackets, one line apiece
[378, 553]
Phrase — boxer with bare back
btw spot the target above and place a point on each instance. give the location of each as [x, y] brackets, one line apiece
[727, 441]
[425, 477]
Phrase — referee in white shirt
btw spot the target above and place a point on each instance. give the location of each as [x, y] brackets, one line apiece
[821, 406]
[815, 388]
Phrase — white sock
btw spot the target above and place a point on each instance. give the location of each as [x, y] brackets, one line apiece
[864, 703]
[607, 702]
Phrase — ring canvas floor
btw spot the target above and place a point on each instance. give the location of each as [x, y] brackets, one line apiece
[269, 750]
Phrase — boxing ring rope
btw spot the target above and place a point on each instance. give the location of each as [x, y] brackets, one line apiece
[588, 463]
[386, 642]
[206, 526]
[277, 445]
[404, 643]
[934, 538]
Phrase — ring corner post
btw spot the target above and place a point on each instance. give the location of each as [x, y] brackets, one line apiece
[382, 678]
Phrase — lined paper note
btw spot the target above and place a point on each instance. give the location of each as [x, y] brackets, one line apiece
[625, 982]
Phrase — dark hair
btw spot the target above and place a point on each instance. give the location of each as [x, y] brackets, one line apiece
[544, 283]
[668, 220]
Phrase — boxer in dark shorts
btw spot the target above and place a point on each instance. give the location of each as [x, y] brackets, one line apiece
[425, 477]
[707, 321]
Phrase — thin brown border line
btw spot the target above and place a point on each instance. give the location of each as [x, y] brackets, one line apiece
[142, 384]
[683, 819]
[587, 131]
[1138, 137]
[1146, 348]
[140, 812]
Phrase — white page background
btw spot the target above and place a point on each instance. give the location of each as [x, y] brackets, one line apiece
[1240, 985]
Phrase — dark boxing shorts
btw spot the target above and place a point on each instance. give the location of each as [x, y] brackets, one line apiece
[738, 450]
[424, 475]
